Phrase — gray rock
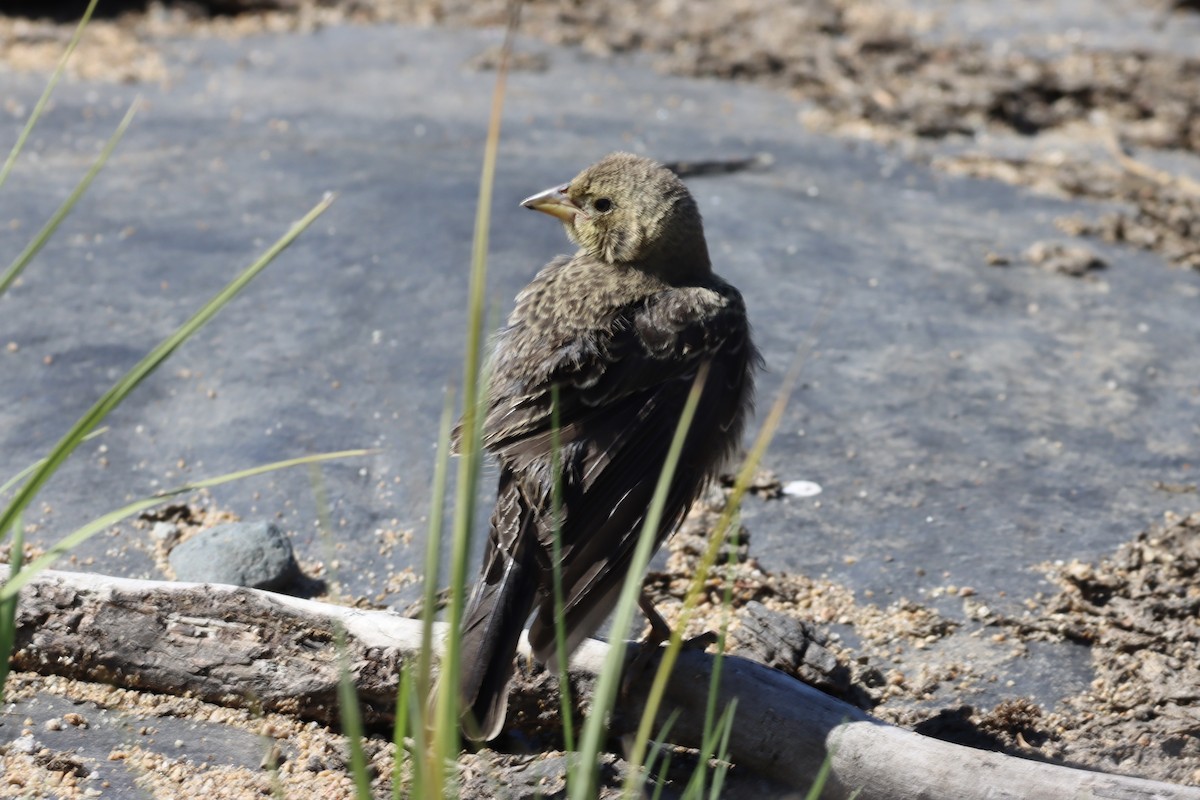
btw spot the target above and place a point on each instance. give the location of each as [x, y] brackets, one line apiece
[255, 554]
[24, 745]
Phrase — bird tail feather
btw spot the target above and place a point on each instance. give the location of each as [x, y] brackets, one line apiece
[490, 632]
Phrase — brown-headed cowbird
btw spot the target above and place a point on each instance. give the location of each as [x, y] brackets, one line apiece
[621, 329]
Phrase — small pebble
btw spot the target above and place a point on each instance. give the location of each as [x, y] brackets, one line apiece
[802, 489]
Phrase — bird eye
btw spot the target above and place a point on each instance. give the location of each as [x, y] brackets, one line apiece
[603, 204]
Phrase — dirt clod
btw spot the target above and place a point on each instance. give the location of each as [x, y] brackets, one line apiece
[1072, 260]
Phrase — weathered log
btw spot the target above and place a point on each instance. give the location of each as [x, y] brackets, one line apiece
[244, 647]
[223, 644]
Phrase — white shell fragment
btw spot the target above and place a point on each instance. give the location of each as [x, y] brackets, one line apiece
[802, 489]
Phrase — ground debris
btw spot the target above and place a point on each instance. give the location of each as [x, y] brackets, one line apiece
[1071, 260]
[764, 484]
[1140, 612]
[797, 648]
[1164, 218]
[865, 69]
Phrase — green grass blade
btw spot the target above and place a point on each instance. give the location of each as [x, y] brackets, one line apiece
[661, 783]
[445, 739]
[436, 528]
[36, 114]
[8, 606]
[20, 476]
[583, 787]
[351, 718]
[425, 766]
[127, 383]
[18, 265]
[349, 714]
[81, 535]
[470, 444]
[716, 541]
[404, 705]
[725, 727]
[818, 786]
[271, 757]
[710, 741]
[658, 750]
[712, 729]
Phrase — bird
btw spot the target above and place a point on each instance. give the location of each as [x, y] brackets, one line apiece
[614, 336]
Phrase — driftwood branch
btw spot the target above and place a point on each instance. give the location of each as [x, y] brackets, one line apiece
[244, 647]
[1141, 169]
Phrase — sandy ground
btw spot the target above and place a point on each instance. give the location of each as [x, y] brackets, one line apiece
[1136, 611]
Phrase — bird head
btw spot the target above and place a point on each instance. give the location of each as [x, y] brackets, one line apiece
[628, 210]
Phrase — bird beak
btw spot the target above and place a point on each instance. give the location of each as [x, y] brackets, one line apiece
[555, 202]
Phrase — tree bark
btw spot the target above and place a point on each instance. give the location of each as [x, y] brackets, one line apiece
[248, 648]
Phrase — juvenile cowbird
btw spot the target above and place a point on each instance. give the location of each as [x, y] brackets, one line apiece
[621, 329]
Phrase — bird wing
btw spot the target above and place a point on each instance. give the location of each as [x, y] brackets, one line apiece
[622, 388]
[632, 358]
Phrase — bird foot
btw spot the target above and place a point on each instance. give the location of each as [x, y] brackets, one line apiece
[701, 642]
[660, 632]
